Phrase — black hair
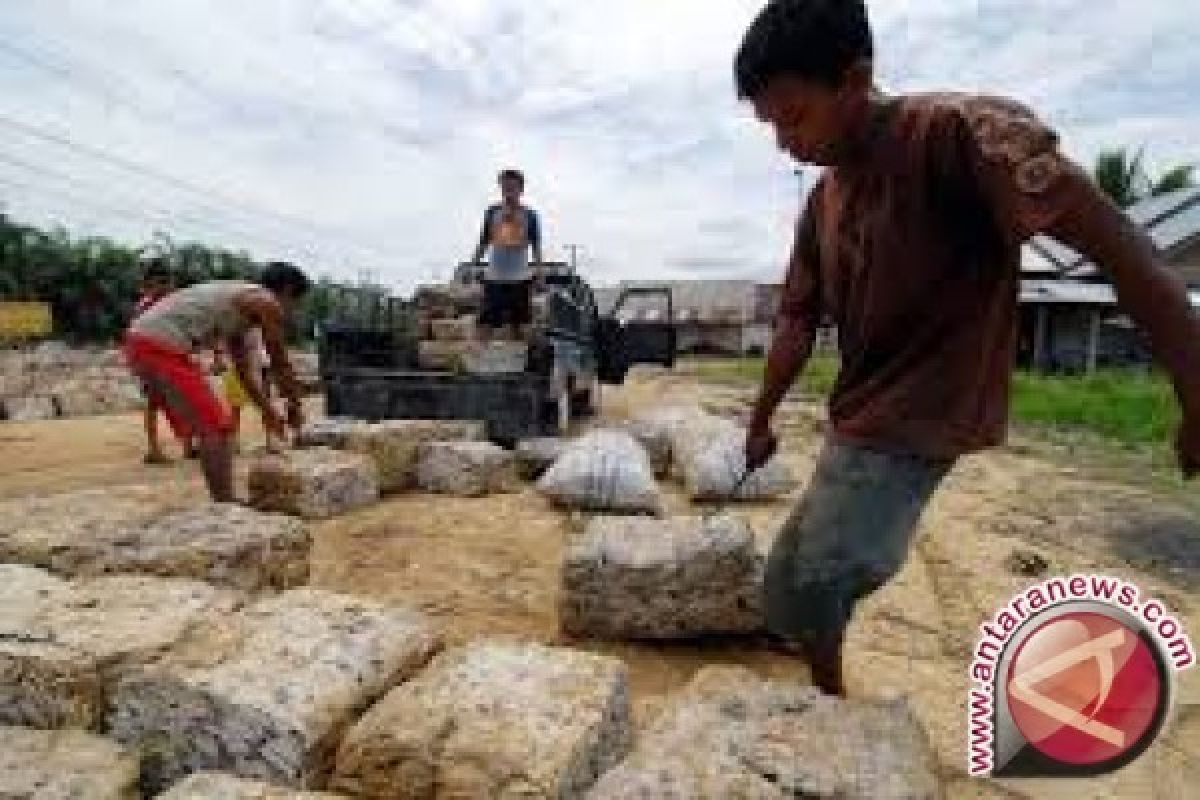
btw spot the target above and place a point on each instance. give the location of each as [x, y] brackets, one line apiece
[816, 40]
[281, 277]
[512, 175]
[156, 269]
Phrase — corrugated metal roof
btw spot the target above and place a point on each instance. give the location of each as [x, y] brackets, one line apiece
[1070, 292]
[1067, 292]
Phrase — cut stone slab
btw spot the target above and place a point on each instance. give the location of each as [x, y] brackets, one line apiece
[266, 694]
[220, 786]
[40, 531]
[496, 358]
[493, 719]
[466, 469]
[327, 432]
[535, 456]
[313, 484]
[64, 645]
[27, 409]
[444, 356]
[453, 330]
[642, 578]
[224, 544]
[730, 734]
[65, 765]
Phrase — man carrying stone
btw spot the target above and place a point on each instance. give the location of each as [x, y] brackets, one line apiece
[161, 344]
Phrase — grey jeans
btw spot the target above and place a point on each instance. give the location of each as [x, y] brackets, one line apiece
[848, 535]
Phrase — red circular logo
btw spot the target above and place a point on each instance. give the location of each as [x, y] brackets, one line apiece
[1085, 688]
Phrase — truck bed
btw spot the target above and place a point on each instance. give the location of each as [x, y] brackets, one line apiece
[512, 405]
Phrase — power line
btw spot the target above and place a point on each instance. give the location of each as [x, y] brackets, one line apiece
[237, 231]
[146, 171]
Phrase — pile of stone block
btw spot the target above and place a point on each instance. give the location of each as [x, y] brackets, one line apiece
[393, 445]
[64, 645]
[266, 694]
[53, 380]
[493, 719]
[643, 578]
[535, 456]
[313, 484]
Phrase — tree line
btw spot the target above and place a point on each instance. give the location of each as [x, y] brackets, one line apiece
[91, 283]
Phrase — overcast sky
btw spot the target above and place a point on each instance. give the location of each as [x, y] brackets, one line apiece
[365, 134]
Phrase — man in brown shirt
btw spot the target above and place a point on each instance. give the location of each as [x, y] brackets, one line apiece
[910, 244]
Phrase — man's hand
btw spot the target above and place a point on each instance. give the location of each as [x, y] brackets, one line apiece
[1187, 445]
[760, 446]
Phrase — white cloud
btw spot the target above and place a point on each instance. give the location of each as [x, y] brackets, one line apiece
[373, 128]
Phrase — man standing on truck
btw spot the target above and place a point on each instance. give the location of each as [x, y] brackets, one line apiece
[160, 346]
[510, 231]
[911, 242]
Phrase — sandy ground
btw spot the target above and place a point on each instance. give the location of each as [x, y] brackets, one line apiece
[490, 566]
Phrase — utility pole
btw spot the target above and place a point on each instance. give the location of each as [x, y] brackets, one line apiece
[573, 249]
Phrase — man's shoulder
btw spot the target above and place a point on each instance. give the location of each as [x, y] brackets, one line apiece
[994, 122]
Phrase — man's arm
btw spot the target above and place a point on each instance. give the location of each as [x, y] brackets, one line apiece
[792, 343]
[1148, 291]
[535, 236]
[265, 313]
[241, 363]
[481, 247]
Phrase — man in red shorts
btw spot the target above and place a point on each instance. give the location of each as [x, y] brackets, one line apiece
[160, 344]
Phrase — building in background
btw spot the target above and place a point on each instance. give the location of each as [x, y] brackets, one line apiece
[1069, 317]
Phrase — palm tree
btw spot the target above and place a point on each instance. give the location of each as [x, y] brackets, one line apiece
[1123, 177]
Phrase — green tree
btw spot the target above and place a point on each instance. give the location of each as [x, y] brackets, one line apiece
[1123, 177]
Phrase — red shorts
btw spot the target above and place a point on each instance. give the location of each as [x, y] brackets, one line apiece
[178, 385]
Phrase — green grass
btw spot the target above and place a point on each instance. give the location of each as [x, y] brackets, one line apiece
[816, 381]
[1129, 407]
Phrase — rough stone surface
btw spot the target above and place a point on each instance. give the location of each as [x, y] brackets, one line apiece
[314, 484]
[730, 734]
[603, 471]
[27, 409]
[631, 577]
[44, 531]
[266, 694]
[224, 544]
[220, 786]
[394, 445]
[494, 719]
[535, 456]
[440, 355]
[64, 765]
[655, 439]
[453, 330]
[64, 645]
[327, 432]
[466, 469]
[85, 397]
[493, 358]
